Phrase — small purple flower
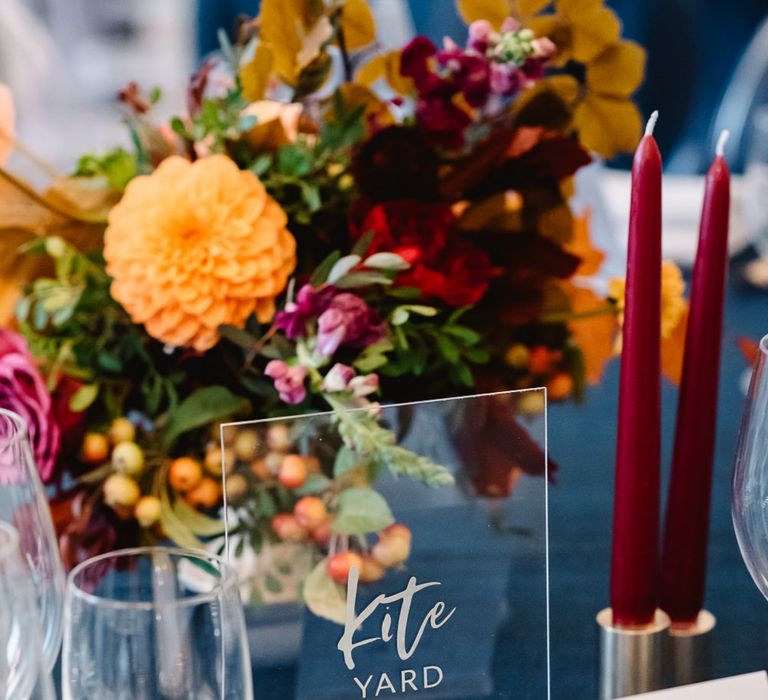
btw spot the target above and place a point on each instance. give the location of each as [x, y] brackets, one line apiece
[310, 302]
[338, 378]
[348, 320]
[289, 380]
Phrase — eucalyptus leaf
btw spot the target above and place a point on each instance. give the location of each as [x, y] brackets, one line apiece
[320, 275]
[386, 261]
[342, 267]
[345, 461]
[362, 279]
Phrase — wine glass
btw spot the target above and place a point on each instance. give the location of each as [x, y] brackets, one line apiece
[22, 675]
[749, 494]
[23, 504]
[155, 623]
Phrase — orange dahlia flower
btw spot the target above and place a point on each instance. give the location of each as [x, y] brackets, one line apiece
[196, 245]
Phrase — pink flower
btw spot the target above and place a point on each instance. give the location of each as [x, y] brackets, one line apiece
[364, 385]
[338, 378]
[23, 391]
[342, 378]
[289, 380]
[348, 320]
[480, 32]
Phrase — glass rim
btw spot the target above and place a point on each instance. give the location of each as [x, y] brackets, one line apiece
[9, 539]
[763, 346]
[227, 578]
[18, 423]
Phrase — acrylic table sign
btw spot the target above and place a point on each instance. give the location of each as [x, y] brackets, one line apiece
[395, 552]
[750, 686]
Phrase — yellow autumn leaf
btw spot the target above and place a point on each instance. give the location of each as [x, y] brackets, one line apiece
[672, 350]
[296, 31]
[495, 11]
[595, 332]
[384, 66]
[358, 24]
[618, 71]
[255, 74]
[607, 124]
[593, 27]
[581, 245]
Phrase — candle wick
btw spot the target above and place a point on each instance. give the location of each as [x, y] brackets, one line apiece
[651, 125]
[721, 141]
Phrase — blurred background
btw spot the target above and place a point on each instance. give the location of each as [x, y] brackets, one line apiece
[65, 61]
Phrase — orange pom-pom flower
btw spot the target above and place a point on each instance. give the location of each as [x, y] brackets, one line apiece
[196, 245]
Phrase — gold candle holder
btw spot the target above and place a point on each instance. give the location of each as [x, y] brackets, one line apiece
[632, 661]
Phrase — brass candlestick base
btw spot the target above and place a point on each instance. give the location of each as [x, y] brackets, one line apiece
[690, 651]
[631, 660]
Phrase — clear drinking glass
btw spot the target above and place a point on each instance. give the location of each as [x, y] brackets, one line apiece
[23, 505]
[749, 495]
[22, 676]
[155, 623]
[756, 180]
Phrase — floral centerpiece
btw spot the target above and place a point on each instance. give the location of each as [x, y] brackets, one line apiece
[327, 225]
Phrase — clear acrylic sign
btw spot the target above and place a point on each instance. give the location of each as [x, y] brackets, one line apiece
[398, 552]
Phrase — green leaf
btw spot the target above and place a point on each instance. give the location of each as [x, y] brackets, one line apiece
[83, 397]
[404, 292]
[320, 275]
[361, 510]
[448, 349]
[363, 243]
[198, 523]
[315, 483]
[265, 504]
[295, 160]
[238, 336]
[109, 362]
[323, 596]
[203, 407]
[262, 164]
[399, 316]
[467, 335]
[310, 195]
[345, 461]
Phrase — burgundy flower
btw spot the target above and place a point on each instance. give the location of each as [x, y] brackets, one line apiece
[443, 266]
[309, 304]
[23, 391]
[470, 74]
[347, 321]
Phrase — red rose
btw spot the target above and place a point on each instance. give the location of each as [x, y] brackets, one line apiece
[443, 266]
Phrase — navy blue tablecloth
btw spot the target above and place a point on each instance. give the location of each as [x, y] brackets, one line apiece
[581, 439]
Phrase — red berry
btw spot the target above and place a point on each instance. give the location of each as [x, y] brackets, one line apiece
[310, 512]
[340, 564]
[287, 528]
[293, 471]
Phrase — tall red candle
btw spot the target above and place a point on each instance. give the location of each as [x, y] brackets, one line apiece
[634, 562]
[684, 559]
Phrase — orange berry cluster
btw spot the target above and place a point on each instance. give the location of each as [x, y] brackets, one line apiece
[541, 365]
[392, 549]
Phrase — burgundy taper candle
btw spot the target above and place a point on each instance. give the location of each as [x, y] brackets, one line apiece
[634, 561]
[684, 559]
